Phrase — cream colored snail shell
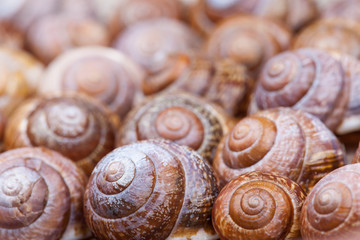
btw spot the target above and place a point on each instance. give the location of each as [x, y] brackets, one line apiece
[151, 190]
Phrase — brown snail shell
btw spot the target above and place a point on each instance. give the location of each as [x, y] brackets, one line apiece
[164, 190]
[41, 196]
[19, 76]
[281, 140]
[356, 158]
[179, 117]
[259, 205]
[298, 78]
[150, 42]
[331, 210]
[247, 39]
[335, 35]
[52, 35]
[206, 13]
[78, 127]
[10, 36]
[132, 11]
[100, 72]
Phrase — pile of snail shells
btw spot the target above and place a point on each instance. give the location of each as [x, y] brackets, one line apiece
[188, 119]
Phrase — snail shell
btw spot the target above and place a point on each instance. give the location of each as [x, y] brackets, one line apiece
[179, 117]
[10, 36]
[76, 126]
[100, 72]
[332, 209]
[164, 190]
[247, 39]
[335, 35]
[41, 196]
[52, 35]
[298, 78]
[150, 42]
[285, 141]
[19, 76]
[356, 158]
[206, 13]
[132, 11]
[259, 205]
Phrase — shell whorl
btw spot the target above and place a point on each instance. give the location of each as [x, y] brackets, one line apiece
[64, 123]
[297, 79]
[332, 207]
[258, 206]
[281, 140]
[147, 183]
[41, 196]
[248, 40]
[182, 118]
[100, 72]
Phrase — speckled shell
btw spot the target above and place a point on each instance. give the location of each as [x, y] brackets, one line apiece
[100, 72]
[150, 42]
[179, 117]
[206, 13]
[78, 127]
[52, 35]
[249, 40]
[164, 190]
[335, 35]
[281, 140]
[298, 79]
[41, 196]
[19, 76]
[260, 206]
[132, 11]
[332, 209]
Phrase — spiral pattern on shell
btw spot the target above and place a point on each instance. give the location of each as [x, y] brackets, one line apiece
[258, 205]
[41, 196]
[100, 72]
[150, 42]
[64, 123]
[335, 35]
[179, 117]
[247, 39]
[285, 141]
[332, 208]
[298, 78]
[54, 34]
[151, 184]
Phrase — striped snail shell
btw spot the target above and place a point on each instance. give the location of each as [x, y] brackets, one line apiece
[331, 211]
[41, 196]
[298, 78]
[151, 190]
[100, 72]
[179, 117]
[249, 40]
[78, 127]
[281, 140]
[259, 205]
